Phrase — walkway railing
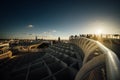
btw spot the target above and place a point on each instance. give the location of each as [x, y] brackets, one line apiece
[7, 54]
[95, 54]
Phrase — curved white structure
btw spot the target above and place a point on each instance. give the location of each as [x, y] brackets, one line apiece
[95, 55]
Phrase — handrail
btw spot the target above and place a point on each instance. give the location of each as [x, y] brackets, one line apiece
[90, 46]
[7, 54]
[6, 44]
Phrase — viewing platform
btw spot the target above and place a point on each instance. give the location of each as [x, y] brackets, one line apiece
[80, 58]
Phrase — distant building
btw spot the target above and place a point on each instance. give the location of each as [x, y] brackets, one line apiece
[36, 38]
[58, 39]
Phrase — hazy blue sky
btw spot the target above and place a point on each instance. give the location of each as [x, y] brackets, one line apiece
[54, 18]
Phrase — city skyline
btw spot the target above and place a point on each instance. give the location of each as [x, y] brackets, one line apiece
[58, 18]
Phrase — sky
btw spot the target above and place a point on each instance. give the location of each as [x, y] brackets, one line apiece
[51, 19]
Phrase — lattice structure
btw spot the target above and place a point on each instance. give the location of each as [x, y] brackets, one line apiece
[58, 62]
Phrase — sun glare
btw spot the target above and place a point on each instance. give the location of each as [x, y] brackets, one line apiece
[99, 31]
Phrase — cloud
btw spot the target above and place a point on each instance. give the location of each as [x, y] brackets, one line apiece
[30, 34]
[30, 26]
[45, 32]
[48, 33]
[53, 31]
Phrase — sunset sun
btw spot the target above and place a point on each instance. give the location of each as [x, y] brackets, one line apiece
[99, 31]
